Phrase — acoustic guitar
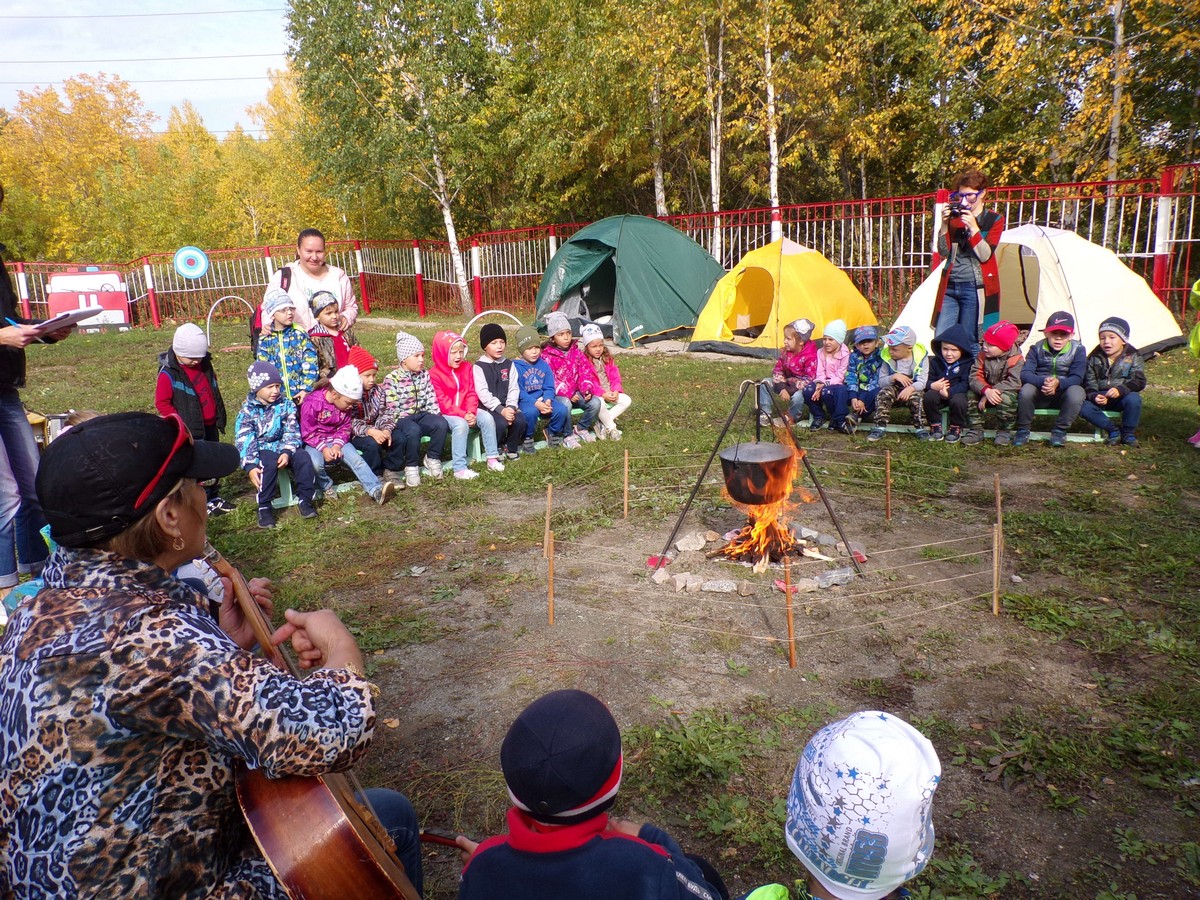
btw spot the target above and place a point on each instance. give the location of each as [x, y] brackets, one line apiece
[316, 832]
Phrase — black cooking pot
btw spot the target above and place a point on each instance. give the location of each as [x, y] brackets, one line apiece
[757, 473]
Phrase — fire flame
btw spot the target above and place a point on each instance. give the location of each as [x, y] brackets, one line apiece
[766, 537]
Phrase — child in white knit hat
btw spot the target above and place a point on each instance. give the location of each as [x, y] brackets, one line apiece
[859, 811]
[413, 401]
[326, 425]
[614, 400]
[187, 387]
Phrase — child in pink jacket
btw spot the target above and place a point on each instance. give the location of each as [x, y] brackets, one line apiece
[608, 376]
[574, 378]
[826, 395]
[326, 424]
[454, 384]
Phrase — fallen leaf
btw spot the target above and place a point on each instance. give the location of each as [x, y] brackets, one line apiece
[360, 573]
[491, 546]
[1131, 478]
[977, 726]
[1090, 686]
[391, 590]
[392, 723]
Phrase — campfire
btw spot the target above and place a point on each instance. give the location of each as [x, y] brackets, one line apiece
[762, 473]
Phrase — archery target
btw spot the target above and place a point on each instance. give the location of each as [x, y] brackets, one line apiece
[191, 262]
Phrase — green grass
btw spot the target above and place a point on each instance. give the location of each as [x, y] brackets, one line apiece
[1107, 544]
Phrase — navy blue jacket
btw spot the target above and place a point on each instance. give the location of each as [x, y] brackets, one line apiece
[959, 373]
[1069, 365]
[583, 862]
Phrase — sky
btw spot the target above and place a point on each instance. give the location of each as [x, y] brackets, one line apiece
[48, 41]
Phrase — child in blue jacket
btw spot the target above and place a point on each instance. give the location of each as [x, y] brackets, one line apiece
[537, 397]
[949, 381]
[862, 376]
[562, 763]
[1052, 377]
[288, 348]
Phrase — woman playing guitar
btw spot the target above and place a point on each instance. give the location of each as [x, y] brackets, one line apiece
[129, 711]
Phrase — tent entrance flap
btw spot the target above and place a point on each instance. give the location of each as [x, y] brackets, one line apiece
[753, 301]
[1020, 284]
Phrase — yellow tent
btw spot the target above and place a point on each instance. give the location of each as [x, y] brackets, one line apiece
[770, 287]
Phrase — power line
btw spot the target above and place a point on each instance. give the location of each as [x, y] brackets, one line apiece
[202, 12]
[71, 62]
[156, 80]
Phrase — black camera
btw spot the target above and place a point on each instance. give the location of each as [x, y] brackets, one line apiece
[956, 206]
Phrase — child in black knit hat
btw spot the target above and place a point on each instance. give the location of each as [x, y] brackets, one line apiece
[562, 763]
[499, 393]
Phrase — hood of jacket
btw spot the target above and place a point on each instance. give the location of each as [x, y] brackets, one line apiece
[957, 335]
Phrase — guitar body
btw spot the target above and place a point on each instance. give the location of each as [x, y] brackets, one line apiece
[320, 843]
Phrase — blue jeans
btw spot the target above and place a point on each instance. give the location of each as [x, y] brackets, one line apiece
[591, 410]
[960, 306]
[868, 400]
[1129, 406]
[795, 404]
[20, 513]
[352, 458]
[487, 432]
[399, 820]
[459, 430]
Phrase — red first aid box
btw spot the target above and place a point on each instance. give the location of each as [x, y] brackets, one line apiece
[104, 291]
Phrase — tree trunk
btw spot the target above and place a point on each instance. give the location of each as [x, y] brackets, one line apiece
[714, 84]
[772, 124]
[1114, 129]
[660, 189]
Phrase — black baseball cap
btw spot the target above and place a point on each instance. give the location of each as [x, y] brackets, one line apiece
[103, 475]
[1060, 321]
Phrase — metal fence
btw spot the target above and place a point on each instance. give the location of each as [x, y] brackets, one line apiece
[884, 245]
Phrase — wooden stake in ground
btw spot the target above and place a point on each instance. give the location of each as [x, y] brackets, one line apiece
[887, 484]
[625, 514]
[995, 570]
[546, 530]
[999, 512]
[550, 574]
[787, 591]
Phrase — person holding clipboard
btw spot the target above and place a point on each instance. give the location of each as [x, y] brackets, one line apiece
[20, 514]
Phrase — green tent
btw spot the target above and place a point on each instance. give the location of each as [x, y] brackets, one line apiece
[648, 277]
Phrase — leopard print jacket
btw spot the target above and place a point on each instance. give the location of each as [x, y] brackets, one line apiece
[122, 709]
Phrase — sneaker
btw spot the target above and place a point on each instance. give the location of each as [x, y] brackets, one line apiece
[510, 455]
[412, 476]
[266, 517]
[764, 419]
[1058, 438]
[601, 432]
[331, 492]
[876, 434]
[816, 425]
[922, 434]
[1003, 439]
[1021, 438]
[465, 474]
[494, 464]
[1194, 440]
[385, 492]
[953, 434]
[433, 466]
[847, 426]
[307, 510]
[571, 442]
[585, 436]
[614, 434]
[396, 478]
[972, 436]
[528, 446]
[1113, 438]
[935, 433]
[1129, 440]
[219, 506]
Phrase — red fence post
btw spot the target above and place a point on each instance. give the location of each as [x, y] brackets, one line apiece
[477, 280]
[362, 278]
[151, 297]
[23, 291]
[420, 278]
[1162, 238]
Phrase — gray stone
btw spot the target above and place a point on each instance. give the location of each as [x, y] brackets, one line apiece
[745, 589]
[719, 587]
[806, 534]
[694, 583]
[805, 585]
[680, 580]
[694, 541]
[826, 540]
[1017, 579]
[710, 536]
[660, 576]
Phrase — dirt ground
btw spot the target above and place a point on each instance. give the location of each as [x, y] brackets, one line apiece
[915, 635]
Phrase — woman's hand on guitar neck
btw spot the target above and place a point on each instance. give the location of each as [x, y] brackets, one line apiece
[230, 617]
[320, 640]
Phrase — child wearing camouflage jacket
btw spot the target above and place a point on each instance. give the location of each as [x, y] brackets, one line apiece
[862, 376]
[286, 347]
[995, 382]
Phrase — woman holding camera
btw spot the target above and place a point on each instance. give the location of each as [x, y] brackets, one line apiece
[967, 237]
